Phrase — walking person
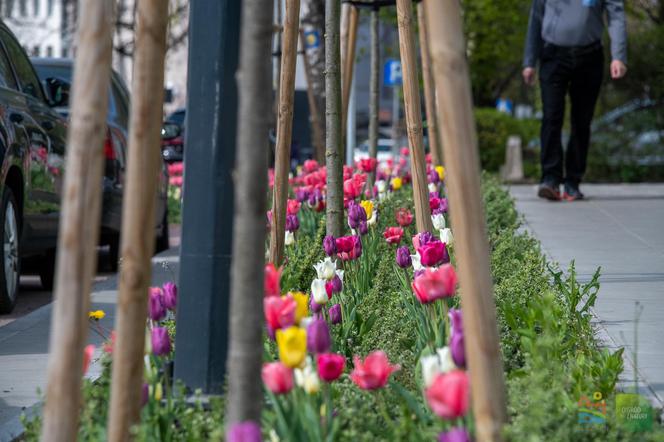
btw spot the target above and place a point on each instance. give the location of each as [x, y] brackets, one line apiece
[565, 37]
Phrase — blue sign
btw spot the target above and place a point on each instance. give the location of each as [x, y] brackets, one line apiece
[504, 105]
[392, 73]
[311, 39]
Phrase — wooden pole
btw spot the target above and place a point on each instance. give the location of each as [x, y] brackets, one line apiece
[411, 92]
[343, 31]
[79, 223]
[429, 89]
[245, 390]
[455, 118]
[314, 113]
[138, 216]
[348, 66]
[374, 87]
[277, 35]
[284, 130]
[333, 151]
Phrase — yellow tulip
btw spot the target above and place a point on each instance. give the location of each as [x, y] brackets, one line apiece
[441, 172]
[158, 392]
[302, 309]
[97, 315]
[368, 208]
[396, 183]
[292, 344]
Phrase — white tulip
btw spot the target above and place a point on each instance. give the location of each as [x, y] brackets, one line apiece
[430, 368]
[326, 268]
[446, 236]
[381, 185]
[433, 187]
[290, 238]
[318, 291]
[340, 274]
[307, 378]
[417, 261]
[371, 221]
[438, 221]
[445, 358]
[304, 322]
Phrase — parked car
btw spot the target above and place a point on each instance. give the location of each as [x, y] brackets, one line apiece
[385, 150]
[172, 136]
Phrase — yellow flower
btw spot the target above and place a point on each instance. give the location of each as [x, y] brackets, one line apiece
[302, 309]
[97, 315]
[158, 392]
[368, 208]
[292, 344]
[396, 183]
[441, 172]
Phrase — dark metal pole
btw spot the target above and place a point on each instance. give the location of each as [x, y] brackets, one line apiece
[205, 256]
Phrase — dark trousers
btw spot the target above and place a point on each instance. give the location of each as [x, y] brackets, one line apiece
[577, 71]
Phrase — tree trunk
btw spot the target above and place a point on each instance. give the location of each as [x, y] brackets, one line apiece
[138, 216]
[284, 130]
[348, 66]
[455, 117]
[79, 227]
[333, 159]
[411, 93]
[429, 89]
[374, 86]
[246, 315]
[313, 17]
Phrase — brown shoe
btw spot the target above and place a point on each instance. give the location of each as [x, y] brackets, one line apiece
[548, 191]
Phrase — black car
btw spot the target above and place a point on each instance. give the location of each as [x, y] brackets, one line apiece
[172, 136]
[32, 152]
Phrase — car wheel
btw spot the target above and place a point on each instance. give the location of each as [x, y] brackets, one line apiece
[47, 270]
[11, 268]
[163, 240]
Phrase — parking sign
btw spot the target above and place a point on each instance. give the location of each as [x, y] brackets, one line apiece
[392, 73]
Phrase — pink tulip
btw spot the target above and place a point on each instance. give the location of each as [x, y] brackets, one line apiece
[292, 207]
[433, 253]
[393, 235]
[330, 366]
[88, 352]
[279, 311]
[404, 217]
[448, 394]
[272, 278]
[374, 372]
[435, 284]
[277, 377]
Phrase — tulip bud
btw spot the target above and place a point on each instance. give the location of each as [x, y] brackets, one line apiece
[335, 314]
[170, 295]
[363, 228]
[318, 336]
[457, 434]
[403, 257]
[434, 178]
[438, 221]
[161, 342]
[457, 350]
[156, 308]
[330, 245]
[292, 223]
[336, 284]
[318, 292]
[446, 236]
[247, 431]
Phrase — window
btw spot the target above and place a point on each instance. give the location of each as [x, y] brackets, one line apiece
[36, 51]
[27, 79]
[50, 8]
[6, 74]
[36, 7]
[49, 51]
[23, 5]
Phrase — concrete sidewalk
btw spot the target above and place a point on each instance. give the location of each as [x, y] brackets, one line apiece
[24, 348]
[620, 228]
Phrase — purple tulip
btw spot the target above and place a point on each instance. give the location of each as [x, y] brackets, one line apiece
[363, 228]
[357, 247]
[456, 434]
[330, 245]
[335, 314]
[145, 394]
[247, 431]
[314, 306]
[443, 205]
[417, 273]
[318, 336]
[403, 257]
[356, 214]
[301, 194]
[456, 319]
[425, 238]
[315, 197]
[161, 342]
[457, 350]
[156, 307]
[292, 223]
[434, 177]
[270, 332]
[336, 284]
[170, 295]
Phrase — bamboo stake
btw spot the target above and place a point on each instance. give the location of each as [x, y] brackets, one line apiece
[79, 224]
[348, 66]
[138, 216]
[246, 334]
[455, 118]
[284, 130]
[343, 31]
[429, 89]
[374, 86]
[333, 159]
[411, 92]
[314, 113]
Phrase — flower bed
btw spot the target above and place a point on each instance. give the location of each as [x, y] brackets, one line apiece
[366, 343]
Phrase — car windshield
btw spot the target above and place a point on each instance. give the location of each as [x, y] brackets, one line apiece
[64, 73]
[177, 117]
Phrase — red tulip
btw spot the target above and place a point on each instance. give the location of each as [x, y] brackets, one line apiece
[272, 278]
[374, 372]
[351, 190]
[292, 207]
[393, 235]
[310, 166]
[367, 164]
[435, 284]
[404, 217]
[277, 377]
[448, 394]
[88, 352]
[279, 311]
[330, 366]
[432, 254]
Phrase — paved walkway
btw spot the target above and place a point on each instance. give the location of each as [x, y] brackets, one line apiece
[24, 348]
[620, 228]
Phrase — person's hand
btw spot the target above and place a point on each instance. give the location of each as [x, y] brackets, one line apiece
[529, 76]
[618, 69]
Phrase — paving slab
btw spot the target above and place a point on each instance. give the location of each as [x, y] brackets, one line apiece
[24, 347]
[620, 228]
